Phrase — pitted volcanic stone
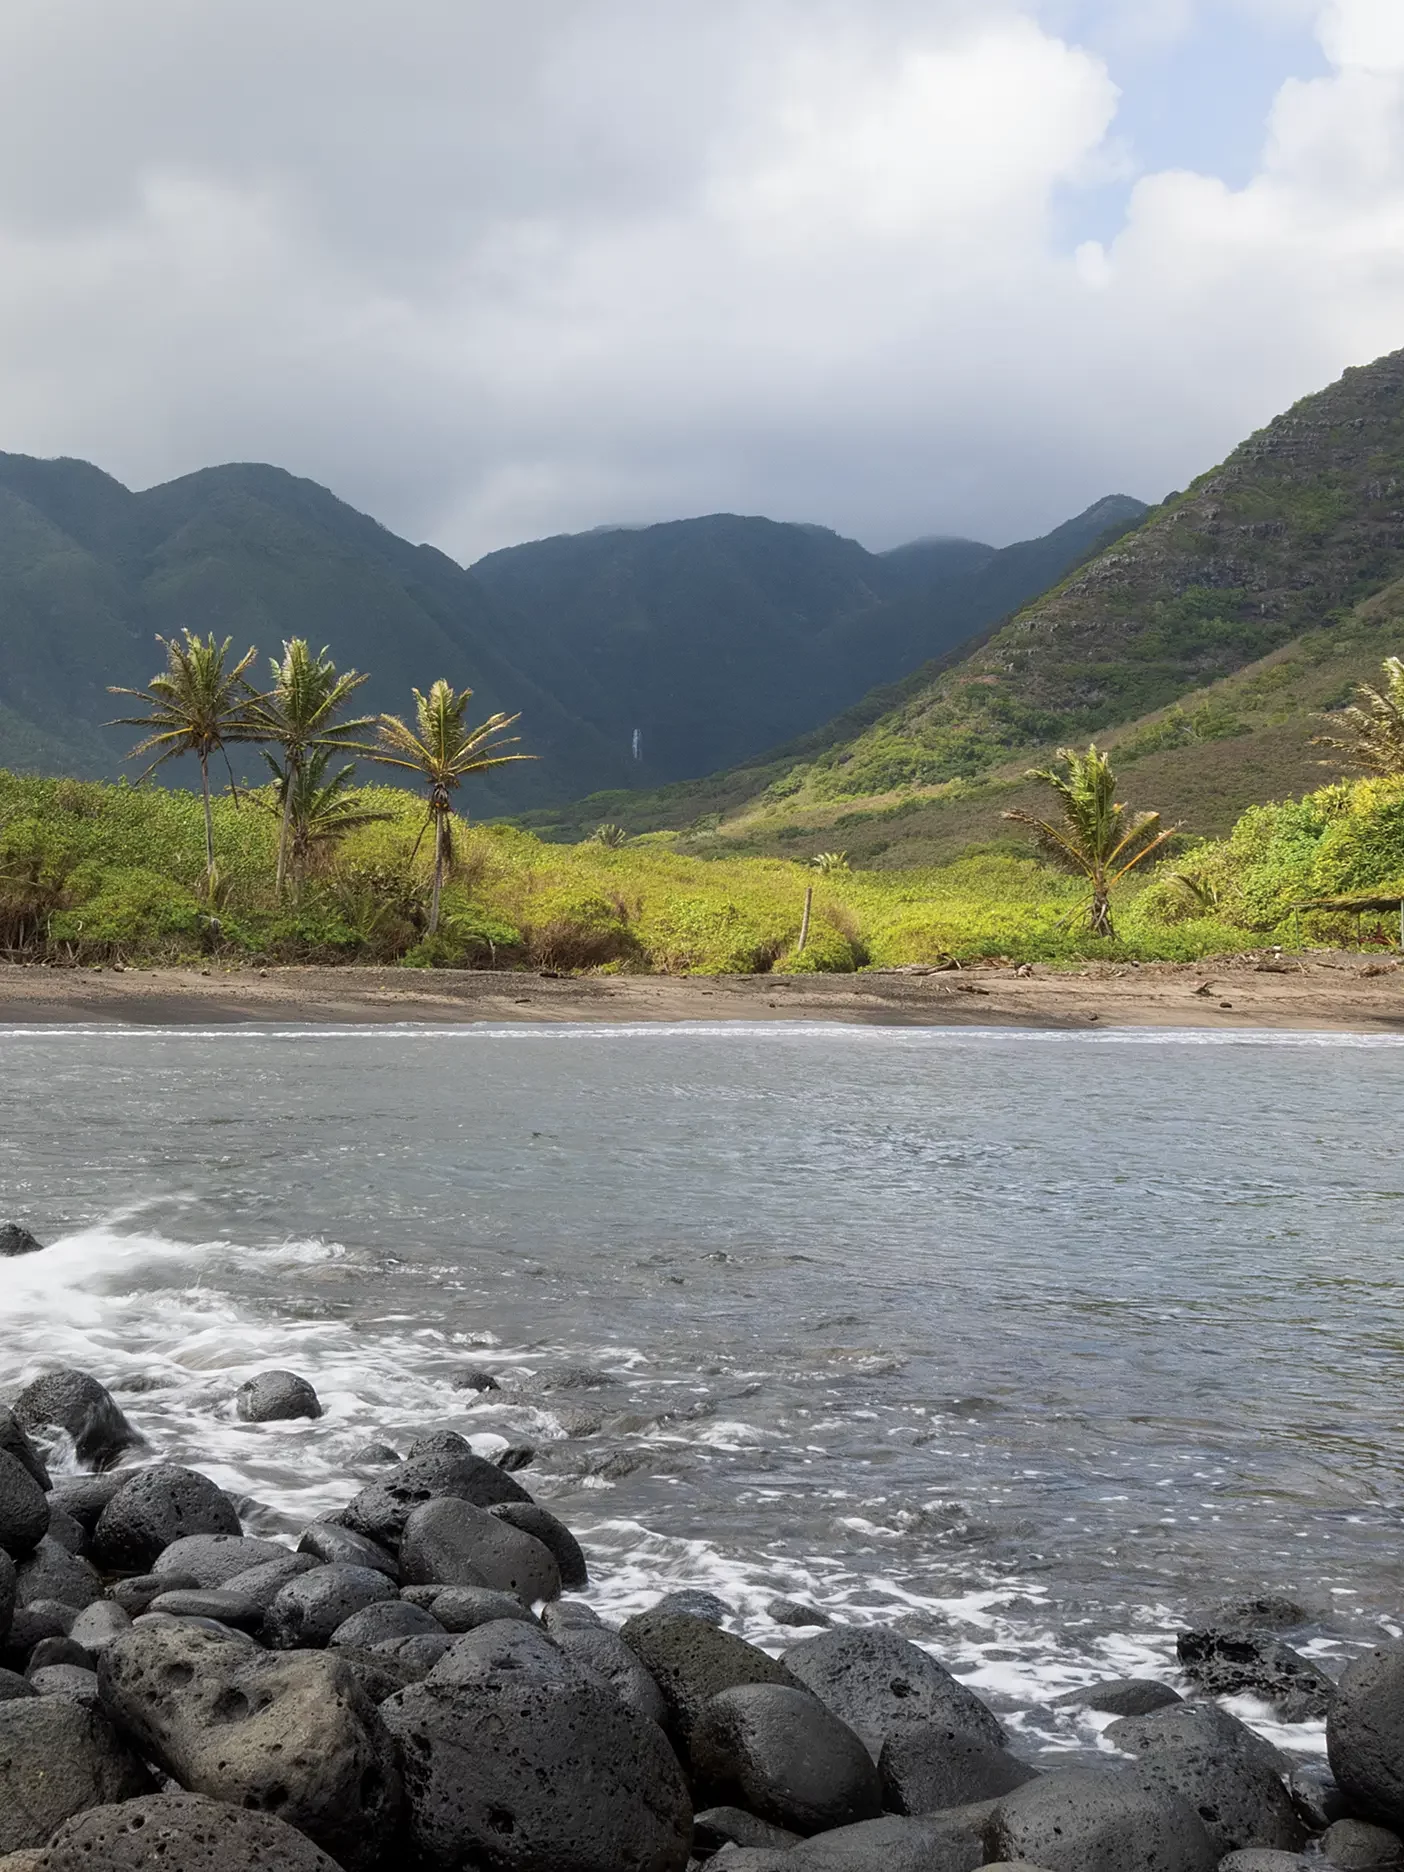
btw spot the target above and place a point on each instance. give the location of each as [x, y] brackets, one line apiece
[234, 1609]
[1357, 1846]
[1233, 1662]
[57, 1758]
[453, 1543]
[181, 1833]
[62, 1650]
[70, 1680]
[880, 1683]
[895, 1843]
[13, 1685]
[1365, 1736]
[135, 1595]
[158, 1507]
[521, 1773]
[1241, 1802]
[381, 1511]
[1121, 1696]
[276, 1397]
[65, 1531]
[464, 1608]
[387, 1619]
[84, 1497]
[605, 1653]
[263, 1583]
[17, 1240]
[15, 1442]
[309, 1608]
[1193, 1725]
[7, 1594]
[290, 1733]
[924, 1770]
[715, 1827]
[24, 1509]
[562, 1612]
[696, 1604]
[691, 1662]
[52, 1572]
[531, 1518]
[781, 1754]
[212, 1560]
[98, 1624]
[74, 1401]
[1100, 1820]
[504, 1648]
[338, 1546]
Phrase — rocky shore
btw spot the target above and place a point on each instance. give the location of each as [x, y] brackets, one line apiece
[418, 1683]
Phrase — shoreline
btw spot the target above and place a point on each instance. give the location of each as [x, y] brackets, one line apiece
[1341, 992]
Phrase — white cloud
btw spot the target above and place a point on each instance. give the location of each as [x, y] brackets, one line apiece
[490, 272]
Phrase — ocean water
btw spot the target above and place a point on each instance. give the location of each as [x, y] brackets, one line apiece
[1026, 1344]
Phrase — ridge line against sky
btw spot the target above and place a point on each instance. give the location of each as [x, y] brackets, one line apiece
[942, 266]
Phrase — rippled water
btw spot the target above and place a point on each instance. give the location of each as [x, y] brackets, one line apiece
[1027, 1343]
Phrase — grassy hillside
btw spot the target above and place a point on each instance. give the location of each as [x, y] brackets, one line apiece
[1264, 569]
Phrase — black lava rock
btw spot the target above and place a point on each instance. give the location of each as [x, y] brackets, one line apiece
[793, 1612]
[1266, 1612]
[1241, 1802]
[605, 1653]
[695, 1603]
[464, 1608]
[135, 1594]
[507, 1646]
[338, 1546]
[74, 1401]
[57, 1758]
[388, 1618]
[562, 1612]
[1357, 1846]
[554, 1535]
[52, 1572]
[380, 1511]
[716, 1827]
[24, 1508]
[309, 1608]
[212, 1560]
[895, 1843]
[1121, 1696]
[15, 1240]
[1193, 1725]
[524, 1773]
[181, 1833]
[880, 1683]
[782, 1755]
[85, 1497]
[1100, 1817]
[372, 1455]
[234, 1609]
[291, 1734]
[159, 1506]
[67, 1680]
[1232, 1663]
[7, 1594]
[1365, 1736]
[66, 1531]
[264, 1582]
[475, 1379]
[98, 1624]
[924, 1770]
[51, 1651]
[691, 1662]
[15, 1442]
[276, 1397]
[449, 1541]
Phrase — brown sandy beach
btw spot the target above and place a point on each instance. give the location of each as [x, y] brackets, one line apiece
[1344, 992]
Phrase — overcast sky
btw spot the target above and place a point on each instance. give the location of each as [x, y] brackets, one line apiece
[497, 268]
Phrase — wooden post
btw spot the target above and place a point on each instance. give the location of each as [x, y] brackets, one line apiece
[804, 920]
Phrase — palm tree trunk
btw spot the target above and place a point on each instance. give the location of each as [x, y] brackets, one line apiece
[439, 828]
[286, 821]
[804, 920]
[1101, 911]
[209, 824]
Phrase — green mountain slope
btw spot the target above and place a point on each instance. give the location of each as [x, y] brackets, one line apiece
[1264, 566]
[714, 638]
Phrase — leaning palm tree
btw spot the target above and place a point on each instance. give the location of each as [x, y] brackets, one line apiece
[300, 713]
[1097, 838]
[317, 808]
[443, 752]
[199, 704]
[1375, 724]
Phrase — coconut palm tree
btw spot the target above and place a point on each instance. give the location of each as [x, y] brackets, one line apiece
[443, 751]
[199, 704]
[1096, 838]
[1375, 723]
[300, 713]
[318, 809]
[829, 862]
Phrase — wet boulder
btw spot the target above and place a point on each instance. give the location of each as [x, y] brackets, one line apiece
[1233, 1662]
[927, 1769]
[520, 1772]
[795, 1613]
[1253, 1859]
[263, 1583]
[97, 1625]
[381, 1511]
[67, 1680]
[17, 1240]
[276, 1397]
[504, 1647]
[1241, 1802]
[212, 1560]
[338, 1546]
[451, 1542]
[14, 1441]
[158, 1507]
[181, 1833]
[386, 1619]
[895, 1843]
[716, 1827]
[555, 1536]
[1357, 1846]
[605, 1653]
[473, 1378]
[66, 1531]
[233, 1609]
[1193, 1725]
[691, 1662]
[1121, 1696]
[74, 1401]
[7, 1594]
[464, 1608]
[84, 1497]
[781, 1754]
[57, 1758]
[563, 1612]
[12, 1685]
[309, 1608]
[1365, 1736]
[1081, 1819]
[696, 1603]
[24, 1508]
[879, 1683]
[288, 1733]
[51, 1572]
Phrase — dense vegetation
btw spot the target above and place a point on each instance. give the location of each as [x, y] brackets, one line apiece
[716, 638]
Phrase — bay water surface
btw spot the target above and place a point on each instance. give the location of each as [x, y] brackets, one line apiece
[1027, 1344]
